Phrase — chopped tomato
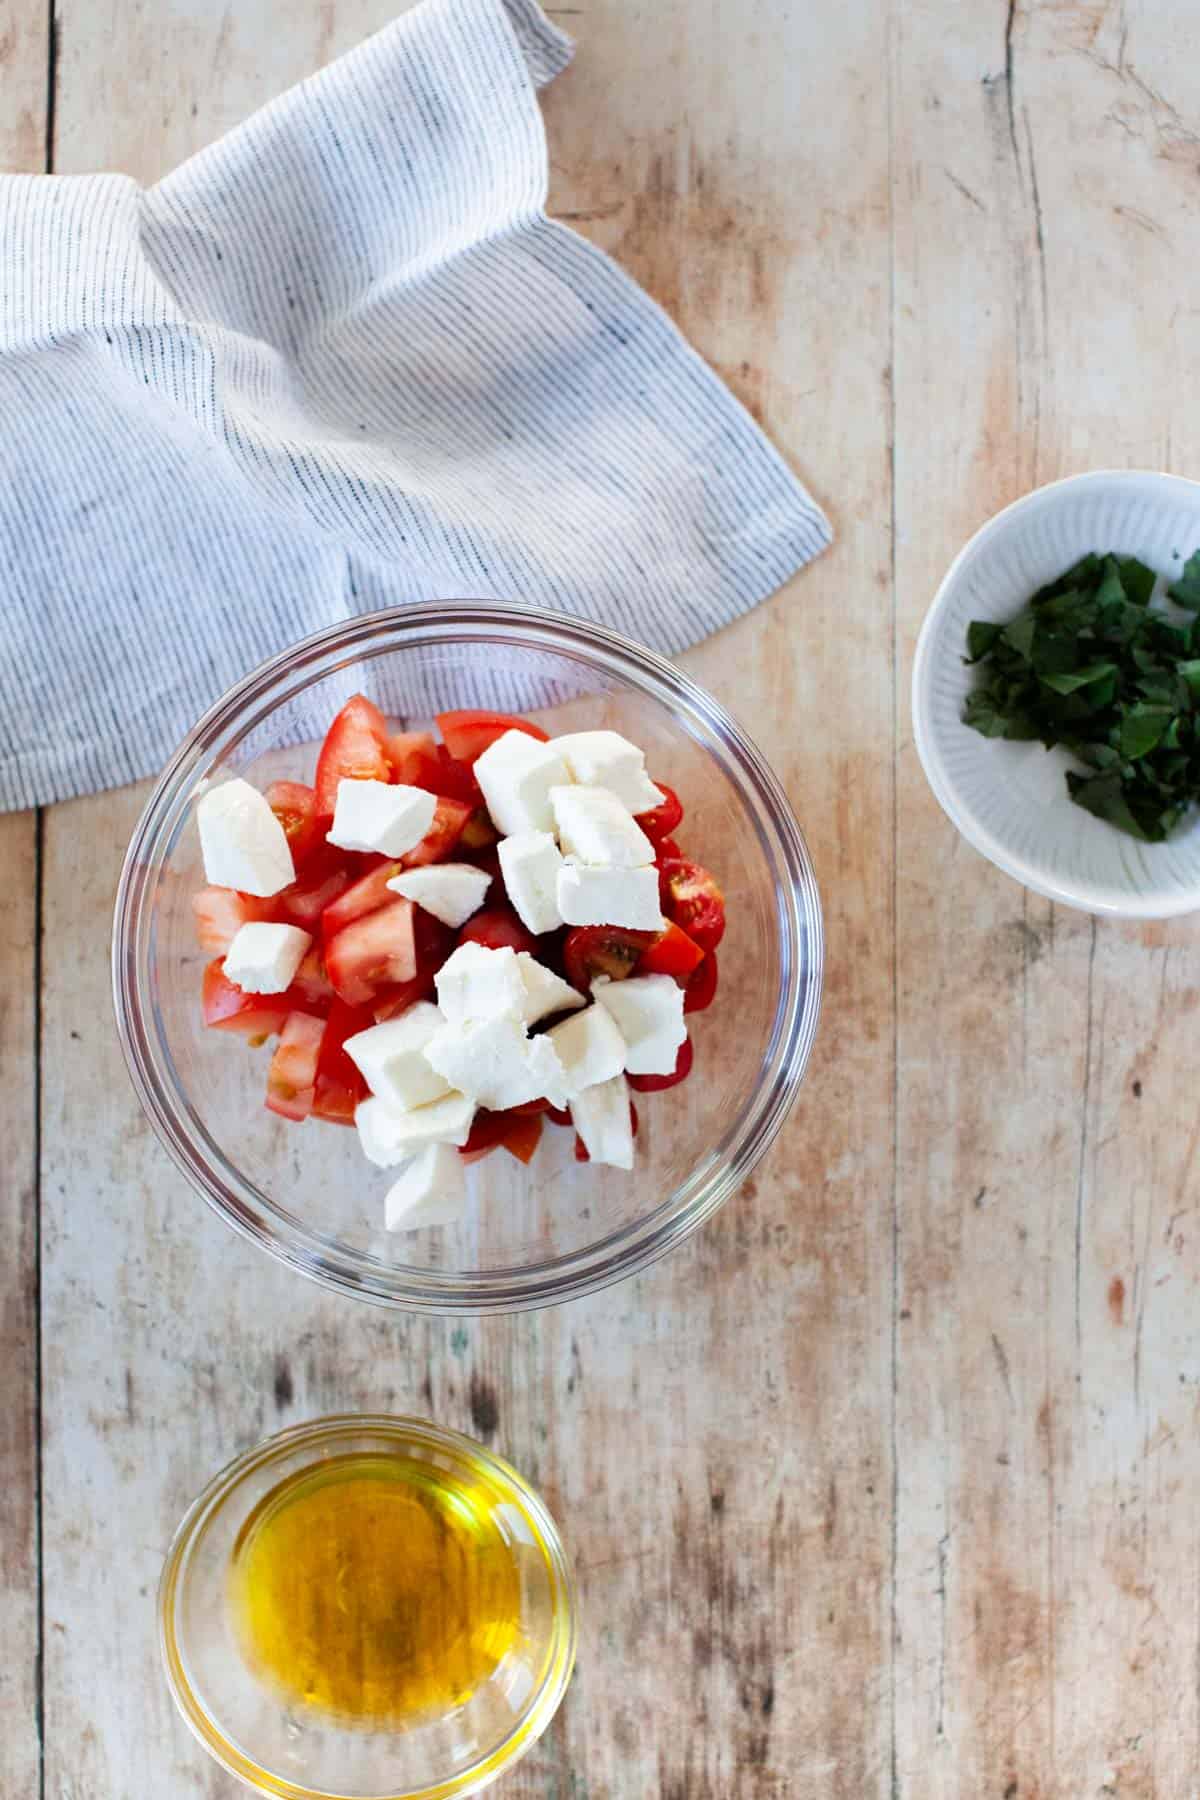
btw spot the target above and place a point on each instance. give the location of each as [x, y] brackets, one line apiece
[397, 999]
[581, 1149]
[372, 953]
[440, 774]
[660, 821]
[652, 1084]
[434, 942]
[671, 953]
[295, 806]
[326, 875]
[469, 733]
[449, 821]
[665, 847]
[339, 1086]
[518, 1132]
[312, 981]
[404, 748]
[558, 1115]
[366, 895]
[703, 985]
[293, 1069]
[613, 950]
[495, 927]
[355, 749]
[479, 833]
[531, 1106]
[693, 900]
[221, 912]
[227, 1008]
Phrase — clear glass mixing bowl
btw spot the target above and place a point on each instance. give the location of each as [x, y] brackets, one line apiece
[557, 1228]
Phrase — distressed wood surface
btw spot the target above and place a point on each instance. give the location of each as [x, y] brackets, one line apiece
[882, 1485]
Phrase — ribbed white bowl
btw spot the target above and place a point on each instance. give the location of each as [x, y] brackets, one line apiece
[1010, 800]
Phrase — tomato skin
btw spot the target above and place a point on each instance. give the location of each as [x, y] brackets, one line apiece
[671, 953]
[404, 749]
[220, 914]
[665, 847]
[660, 821]
[339, 1085]
[654, 1084]
[354, 750]
[293, 1069]
[693, 900]
[295, 806]
[699, 991]
[558, 1115]
[496, 926]
[613, 950]
[449, 821]
[373, 953]
[469, 733]
[517, 1132]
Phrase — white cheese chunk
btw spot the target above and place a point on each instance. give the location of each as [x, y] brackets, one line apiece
[496, 1063]
[450, 891]
[595, 828]
[648, 1012]
[243, 844]
[545, 992]
[263, 959]
[476, 983]
[383, 816]
[389, 1137]
[530, 862]
[391, 1057]
[590, 1048]
[606, 759]
[516, 774]
[626, 897]
[602, 1118]
[430, 1190]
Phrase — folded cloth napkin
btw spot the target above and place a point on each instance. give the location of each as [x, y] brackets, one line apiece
[338, 361]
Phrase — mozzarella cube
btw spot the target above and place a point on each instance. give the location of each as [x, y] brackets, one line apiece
[380, 816]
[477, 983]
[603, 1120]
[595, 828]
[496, 1063]
[590, 1048]
[530, 862]
[389, 1137]
[516, 774]
[263, 959]
[450, 891]
[626, 897]
[243, 844]
[648, 1012]
[545, 992]
[430, 1190]
[606, 759]
[391, 1058]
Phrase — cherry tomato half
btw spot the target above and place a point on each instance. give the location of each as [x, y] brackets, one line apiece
[613, 950]
[653, 1084]
[703, 985]
[693, 900]
[660, 821]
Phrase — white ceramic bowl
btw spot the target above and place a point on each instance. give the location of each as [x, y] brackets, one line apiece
[1010, 801]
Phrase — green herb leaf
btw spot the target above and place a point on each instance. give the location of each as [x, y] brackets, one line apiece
[981, 637]
[1142, 727]
[1186, 589]
[1104, 796]
[1019, 635]
[1137, 580]
[1081, 678]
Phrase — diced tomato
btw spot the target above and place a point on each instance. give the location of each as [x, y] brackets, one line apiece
[295, 806]
[581, 1149]
[440, 774]
[558, 1115]
[326, 875]
[293, 1070]
[354, 750]
[339, 1086]
[312, 981]
[660, 821]
[703, 985]
[449, 820]
[652, 1084]
[693, 900]
[671, 953]
[495, 927]
[664, 848]
[531, 1106]
[434, 942]
[372, 953]
[523, 1136]
[390, 1001]
[518, 1132]
[227, 1008]
[221, 912]
[468, 733]
[479, 833]
[404, 748]
[366, 895]
[613, 950]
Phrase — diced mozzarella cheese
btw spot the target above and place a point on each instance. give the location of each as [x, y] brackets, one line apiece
[450, 891]
[242, 842]
[602, 1118]
[496, 1063]
[389, 1137]
[263, 959]
[589, 1047]
[606, 759]
[391, 1057]
[516, 774]
[530, 862]
[595, 828]
[545, 992]
[430, 1190]
[380, 816]
[648, 1012]
[626, 897]
[476, 983]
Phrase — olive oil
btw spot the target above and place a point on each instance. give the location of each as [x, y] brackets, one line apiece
[375, 1588]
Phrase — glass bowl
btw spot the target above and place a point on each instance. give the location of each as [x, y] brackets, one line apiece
[556, 1228]
[280, 1749]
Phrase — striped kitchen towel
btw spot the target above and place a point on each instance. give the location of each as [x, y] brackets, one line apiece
[338, 361]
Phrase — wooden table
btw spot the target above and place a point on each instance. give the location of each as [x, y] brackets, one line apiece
[886, 1481]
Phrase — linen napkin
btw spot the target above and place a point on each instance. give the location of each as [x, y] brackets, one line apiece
[338, 361]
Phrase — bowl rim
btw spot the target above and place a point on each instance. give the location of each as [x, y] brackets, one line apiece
[797, 909]
[1083, 895]
[325, 1430]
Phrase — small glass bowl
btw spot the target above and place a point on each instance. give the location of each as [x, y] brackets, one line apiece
[279, 1750]
[557, 1228]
